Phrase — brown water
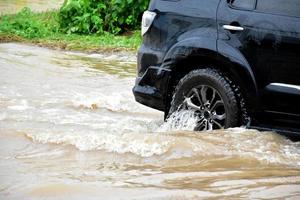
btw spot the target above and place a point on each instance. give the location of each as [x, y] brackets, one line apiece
[13, 6]
[70, 129]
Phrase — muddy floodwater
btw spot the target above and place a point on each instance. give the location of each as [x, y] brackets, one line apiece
[70, 129]
[13, 6]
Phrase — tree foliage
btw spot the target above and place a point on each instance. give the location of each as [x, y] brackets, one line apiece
[99, 16]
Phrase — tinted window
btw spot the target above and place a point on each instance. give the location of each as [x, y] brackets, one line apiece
[281, 7]
[243, 4]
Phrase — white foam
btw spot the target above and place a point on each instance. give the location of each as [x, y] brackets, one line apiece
[3, 116]
[242, 143]
[21, 107]
[139, 144]
[115, 101]
[183, 120]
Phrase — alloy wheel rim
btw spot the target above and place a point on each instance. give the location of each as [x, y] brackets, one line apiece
[208, 106]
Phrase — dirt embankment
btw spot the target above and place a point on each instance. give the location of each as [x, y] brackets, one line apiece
[62, 45]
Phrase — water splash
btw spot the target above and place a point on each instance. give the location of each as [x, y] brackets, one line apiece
[182, 120]
[81, 112]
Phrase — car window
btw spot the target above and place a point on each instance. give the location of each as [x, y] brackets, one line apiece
[281, 7]
[243, 4]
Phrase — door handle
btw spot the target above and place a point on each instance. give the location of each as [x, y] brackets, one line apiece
[233, 28]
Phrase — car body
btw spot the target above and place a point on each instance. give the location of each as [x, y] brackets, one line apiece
[254, 43]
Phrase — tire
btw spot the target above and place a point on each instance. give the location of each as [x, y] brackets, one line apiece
[212, 98]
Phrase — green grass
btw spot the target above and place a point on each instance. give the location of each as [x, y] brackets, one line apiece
[43, 29]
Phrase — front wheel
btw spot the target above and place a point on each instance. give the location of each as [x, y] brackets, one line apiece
[210, 96]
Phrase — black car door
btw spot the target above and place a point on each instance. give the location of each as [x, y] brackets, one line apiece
[267, 33]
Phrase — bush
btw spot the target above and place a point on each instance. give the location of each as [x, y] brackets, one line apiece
[29, 25]
[98, 16]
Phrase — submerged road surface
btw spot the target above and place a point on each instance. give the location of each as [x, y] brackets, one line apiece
[70, 129]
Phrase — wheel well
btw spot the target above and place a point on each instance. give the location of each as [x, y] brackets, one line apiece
[197, 62]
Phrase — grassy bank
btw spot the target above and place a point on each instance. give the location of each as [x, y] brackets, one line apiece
[43, 29]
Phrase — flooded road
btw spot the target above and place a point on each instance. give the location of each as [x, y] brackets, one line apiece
[13, 6]
[70, 129]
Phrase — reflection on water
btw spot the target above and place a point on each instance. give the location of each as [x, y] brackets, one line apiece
[70, 129]
[110, 64]
[13, 6]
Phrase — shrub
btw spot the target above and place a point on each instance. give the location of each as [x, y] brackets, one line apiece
[30, 25]
[98, 16]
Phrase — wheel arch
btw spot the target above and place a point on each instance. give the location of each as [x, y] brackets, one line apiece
[237, 69]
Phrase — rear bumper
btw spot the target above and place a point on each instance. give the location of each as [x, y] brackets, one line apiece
[152, 87]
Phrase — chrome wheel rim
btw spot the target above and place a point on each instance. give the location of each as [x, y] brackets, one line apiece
[208, 106]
